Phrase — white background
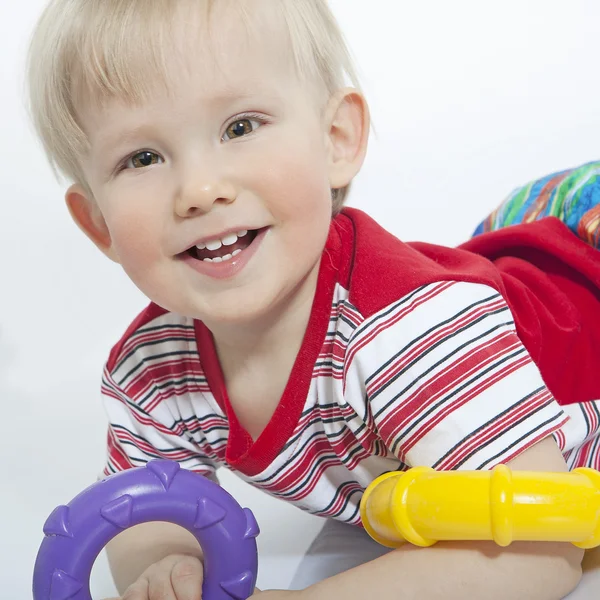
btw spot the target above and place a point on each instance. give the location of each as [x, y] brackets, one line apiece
[469, 98]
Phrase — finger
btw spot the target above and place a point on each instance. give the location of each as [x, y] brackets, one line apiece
[160, 588]
[137, 590]
[186, 578]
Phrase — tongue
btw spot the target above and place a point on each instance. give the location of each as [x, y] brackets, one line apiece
[241, 244]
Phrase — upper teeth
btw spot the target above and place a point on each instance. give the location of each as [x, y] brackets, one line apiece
[228, 240]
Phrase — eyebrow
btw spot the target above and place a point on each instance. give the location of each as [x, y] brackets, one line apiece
[107, 141]
[111, 142]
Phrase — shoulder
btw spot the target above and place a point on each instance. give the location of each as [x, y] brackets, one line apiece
[437, 316]
[383, 269]
[425, 348]
[157, 344]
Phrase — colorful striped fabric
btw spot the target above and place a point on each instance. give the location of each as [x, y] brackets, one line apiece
[572, 195]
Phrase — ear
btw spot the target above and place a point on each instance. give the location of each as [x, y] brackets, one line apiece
[86, 213]
[348, 124]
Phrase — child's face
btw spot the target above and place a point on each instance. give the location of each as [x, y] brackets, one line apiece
[237, 145]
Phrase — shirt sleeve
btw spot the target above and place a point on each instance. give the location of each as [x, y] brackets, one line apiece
[135, 436]
[443, 380]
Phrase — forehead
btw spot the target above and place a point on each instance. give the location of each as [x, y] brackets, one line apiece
[227, 51]
[232, 46]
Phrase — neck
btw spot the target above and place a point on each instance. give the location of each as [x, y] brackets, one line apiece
[275, 336]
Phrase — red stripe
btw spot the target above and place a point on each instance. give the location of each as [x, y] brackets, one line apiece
[394, 317]
[163, 334]
[505, 423]
[531, 442]
[451, 377]
[592, 417]
[429, 342]
[457, 403]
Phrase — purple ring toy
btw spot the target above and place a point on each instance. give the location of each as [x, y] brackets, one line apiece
[76, 533]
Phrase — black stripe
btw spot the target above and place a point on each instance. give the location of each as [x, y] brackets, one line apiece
[150, 328]
[381, 316]
[593, 456]
[436, 365]
[316, 418]
[136, 408]
[147, 359]
[116, 428]
[540, 426]
[314, 407]
[339, 493]
[137, 346]
[327, 363]
[495, 418]
[433, 347]
[300, 451]
[162, 386]
[586, 418]
[454, 392]
[205, 430]
[309, 476]
[348, 322]
[434, 328]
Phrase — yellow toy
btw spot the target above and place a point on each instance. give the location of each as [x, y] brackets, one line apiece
[423, 506]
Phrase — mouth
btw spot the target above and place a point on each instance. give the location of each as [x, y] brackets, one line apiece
[225, 249]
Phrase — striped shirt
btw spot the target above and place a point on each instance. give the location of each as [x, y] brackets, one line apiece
[413, 356]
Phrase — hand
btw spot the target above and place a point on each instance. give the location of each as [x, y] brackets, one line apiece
[275, 595]
[176, 577]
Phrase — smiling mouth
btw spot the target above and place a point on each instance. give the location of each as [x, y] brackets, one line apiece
[224, 252]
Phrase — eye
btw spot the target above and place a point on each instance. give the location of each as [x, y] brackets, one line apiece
[240, 128]
[141, 160]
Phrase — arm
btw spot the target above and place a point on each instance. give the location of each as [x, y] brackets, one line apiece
[136, 549]
[447, 383]
[458, 570]
[135, 437]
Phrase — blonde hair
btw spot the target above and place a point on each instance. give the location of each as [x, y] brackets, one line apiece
[94, 46]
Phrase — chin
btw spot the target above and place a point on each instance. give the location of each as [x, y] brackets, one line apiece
[238, 315]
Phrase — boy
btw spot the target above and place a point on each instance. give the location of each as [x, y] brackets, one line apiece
[211, 144]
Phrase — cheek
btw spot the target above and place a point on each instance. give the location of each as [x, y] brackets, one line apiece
[135, 235]
[295, 181]
[297, 193]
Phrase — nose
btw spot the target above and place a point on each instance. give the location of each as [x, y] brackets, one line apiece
[201, 191]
